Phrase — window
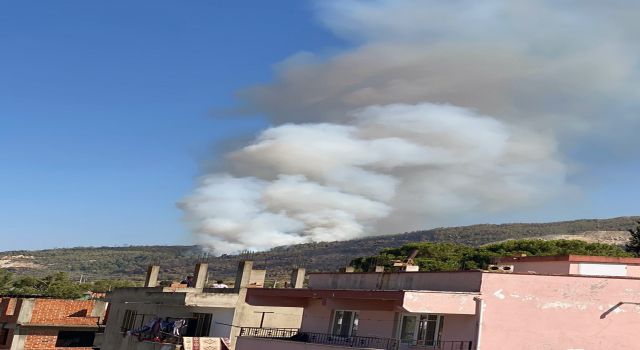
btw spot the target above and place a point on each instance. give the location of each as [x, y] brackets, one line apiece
[202, 324]
[422, 329]
[408, 328]
[71, 339]
[345, 323]
[430, 329]
[128, 320]
[4, 335]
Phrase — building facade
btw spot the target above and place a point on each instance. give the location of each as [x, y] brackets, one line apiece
[461, 310]
[202, 312]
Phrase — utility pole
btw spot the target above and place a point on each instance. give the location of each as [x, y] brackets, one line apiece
[262, 317]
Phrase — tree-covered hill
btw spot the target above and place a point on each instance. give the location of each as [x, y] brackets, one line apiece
[95, 263]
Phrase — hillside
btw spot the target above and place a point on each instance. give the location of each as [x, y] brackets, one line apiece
[176, 261]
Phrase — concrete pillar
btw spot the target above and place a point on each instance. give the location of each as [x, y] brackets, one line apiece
[19, 338]
[200, 275]
[243, 276]
[297, 277]
[151, 280]
[379, 268]
[25, 310]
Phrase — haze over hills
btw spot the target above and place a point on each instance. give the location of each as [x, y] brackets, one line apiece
[176, 261]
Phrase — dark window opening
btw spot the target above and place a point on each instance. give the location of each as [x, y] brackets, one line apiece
[199, 326]
[70, 339]
[4, 335]
[80, 313]
[128, 320]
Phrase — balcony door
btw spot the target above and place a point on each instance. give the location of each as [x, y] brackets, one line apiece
[345, 323]
[421, 329]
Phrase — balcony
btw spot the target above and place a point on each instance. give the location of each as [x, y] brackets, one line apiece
[440, 345]
[292, 335]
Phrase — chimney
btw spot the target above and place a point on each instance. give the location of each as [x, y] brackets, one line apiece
[297, 277]
[379, 268]
[243, 276]
[200, 275]
[151, 280]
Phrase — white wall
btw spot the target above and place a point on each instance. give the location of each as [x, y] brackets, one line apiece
[594, 269]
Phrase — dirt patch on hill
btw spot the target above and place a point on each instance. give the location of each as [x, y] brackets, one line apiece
[608, 237]
[19, 262]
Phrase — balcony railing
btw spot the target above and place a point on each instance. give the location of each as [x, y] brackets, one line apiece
[443, 345]
[292, 334]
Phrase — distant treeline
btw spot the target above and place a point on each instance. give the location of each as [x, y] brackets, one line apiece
[454, 256]
[57, 285]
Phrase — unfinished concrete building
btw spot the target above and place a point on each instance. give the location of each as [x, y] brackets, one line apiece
[30, 323]
[202, 312]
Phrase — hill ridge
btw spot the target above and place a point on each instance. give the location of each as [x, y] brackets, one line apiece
[178, 260]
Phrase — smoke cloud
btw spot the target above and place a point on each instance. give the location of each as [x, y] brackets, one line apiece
[388, 165]
[439, 110]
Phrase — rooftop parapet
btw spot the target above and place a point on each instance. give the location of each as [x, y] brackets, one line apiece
[457, 281]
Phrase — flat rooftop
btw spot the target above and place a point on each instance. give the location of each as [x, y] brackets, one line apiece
[573, 258]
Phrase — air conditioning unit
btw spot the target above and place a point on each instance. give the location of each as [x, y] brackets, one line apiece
[500, 268]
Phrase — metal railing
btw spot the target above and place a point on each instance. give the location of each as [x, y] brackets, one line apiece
[293, 334]
[443, 345]
[268, 332]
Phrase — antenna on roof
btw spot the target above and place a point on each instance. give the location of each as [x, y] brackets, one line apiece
[408, 263]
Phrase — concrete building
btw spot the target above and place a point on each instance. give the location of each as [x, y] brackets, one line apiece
[40, 323]
[558, 303]
[207, 312]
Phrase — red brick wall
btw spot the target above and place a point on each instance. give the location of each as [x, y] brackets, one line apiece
[49, 312]
[41, 339]
[45, 339]
[63, 312]
[58, 312]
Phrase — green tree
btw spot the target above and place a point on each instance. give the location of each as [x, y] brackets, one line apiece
[452, 256]
[109, 285]
[28, 285]
[539, 247]
[633, 246]
[59, 285]
[6, 281]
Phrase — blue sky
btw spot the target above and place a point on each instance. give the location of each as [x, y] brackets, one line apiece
[106, 109]
[109, 111]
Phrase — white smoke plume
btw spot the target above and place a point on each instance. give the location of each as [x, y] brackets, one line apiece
[389, 164]
[440, 110]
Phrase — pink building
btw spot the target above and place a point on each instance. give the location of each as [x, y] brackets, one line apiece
[572, 265]
[569, 302]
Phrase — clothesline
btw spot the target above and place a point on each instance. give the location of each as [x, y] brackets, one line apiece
[156, 327]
